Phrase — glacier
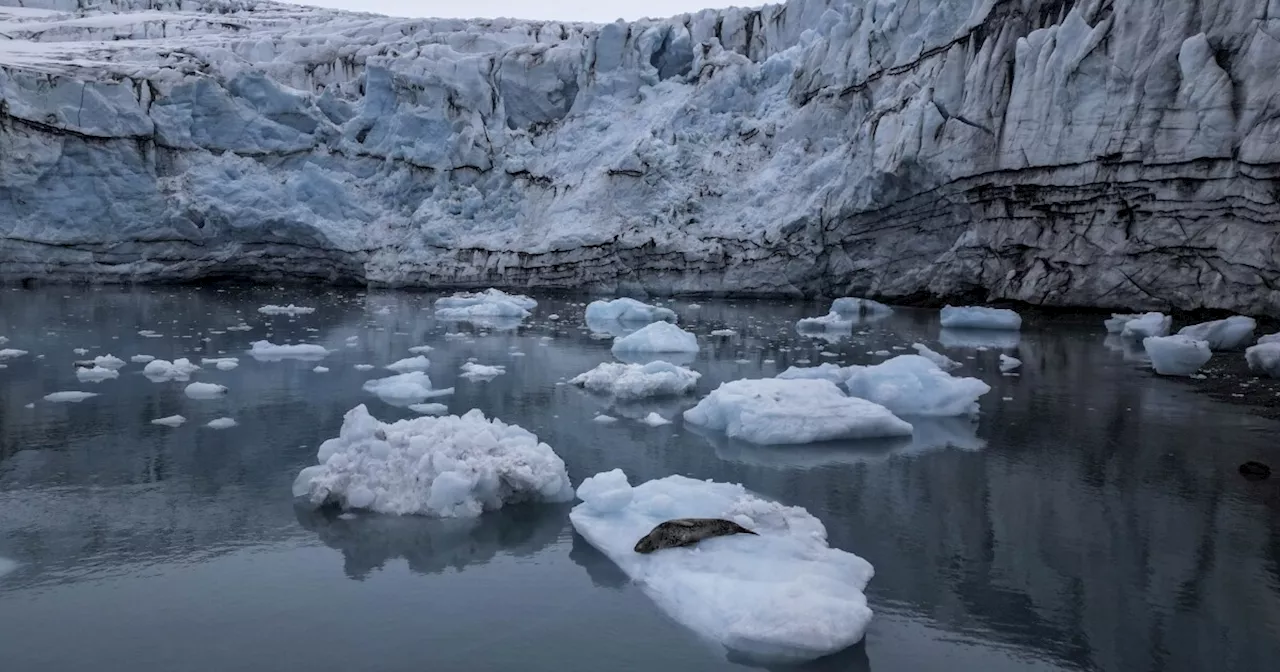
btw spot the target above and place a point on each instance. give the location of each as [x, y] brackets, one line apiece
[1118, 154]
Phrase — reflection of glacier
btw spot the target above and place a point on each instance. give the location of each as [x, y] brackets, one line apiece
[929, 434]
[979, 338]
[369, 542]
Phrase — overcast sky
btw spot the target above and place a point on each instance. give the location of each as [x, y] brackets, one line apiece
[600, 11]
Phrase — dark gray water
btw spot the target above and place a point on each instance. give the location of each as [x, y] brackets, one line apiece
[1095, 521]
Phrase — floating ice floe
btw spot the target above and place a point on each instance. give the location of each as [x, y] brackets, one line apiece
[481, 372]
[321, 369]
[420, 349]
[638, 381]
[657, 337]
[204, 390]
[142, 359]
[1008, 363]
[781, 595]
[1269, 338]
[429, 409]
[1146, 326]
[221, 423]
[448, 467]
[490, 303]
[624, 310]
[604, 419]
[170, 421]
[653, 419]
[108, 362]
[724, 333]
[68, 397]
[159, 370]
[910, 385]
[1176, 355]
[775, 411]
[978, 317]
[10, 353]
[286, 310]
[831, 372]
[266, 351]
[96, 374]
[403, 389]
[1264, 358]
[408, 364]
[221, 363]
[944, 362]
[1233, 333]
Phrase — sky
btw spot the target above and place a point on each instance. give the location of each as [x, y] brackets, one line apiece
[600, 11]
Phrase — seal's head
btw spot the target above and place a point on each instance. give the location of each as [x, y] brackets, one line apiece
[647, 544]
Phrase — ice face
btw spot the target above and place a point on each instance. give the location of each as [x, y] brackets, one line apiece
[659, 337]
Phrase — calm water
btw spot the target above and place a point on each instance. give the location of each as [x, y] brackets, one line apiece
[1094, 521]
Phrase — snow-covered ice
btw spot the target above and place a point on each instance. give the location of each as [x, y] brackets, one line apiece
[626, 311]
[448, 467]
[979, 317]
[638, 381]
[408, 364]
[170, 421]
[911, 385]
[784, 594]
[401, 390]
[160, 370]
[774, 411]
[1264, 358]
[69, 397]
[826, 371]
[1008, 363]
[481, 372]
[1233, 333]
[1146, 326]
[266, 351]
[205, 390]
[944, 362]
[1176, 355]
[657, 337]
[96, 374]
[290, 309]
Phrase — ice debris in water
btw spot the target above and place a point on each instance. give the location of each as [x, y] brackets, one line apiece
[1115, 325]
[108, 362]
[418, 363]
[321, 369]
[775, 411]
[170, 421]
[69, 397]
[724, 333]
[96, 374]
[481, 372]
[910, 385]
[443, 467]
[657, 337]
[604, 419]
[429, 409]
[221, 363]
[1176, 355]
[830, 322]
[626, 310]
[977, 317]
[420, 349]
[784, 594]
[142, 359]
[832, 372]
[655, 420]
[266, 351]
[857, 307]
[222, 423]
[638, 381]
[1233, 333]
[10, 353]
[1008, 363]
[1146, 326]
[159, 370]
[489, 303]
[403, 389]
[944, 362]
[286, 310]
[205, 390]
[1264, 358]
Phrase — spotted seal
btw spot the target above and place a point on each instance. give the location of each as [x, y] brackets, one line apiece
[687, 532]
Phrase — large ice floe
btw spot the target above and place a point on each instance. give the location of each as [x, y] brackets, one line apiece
[781, 595]
[977, 317]
[775, 411]
[1176, 355]
[447, 467]
[1233, 333]
[658, 337]
[489, 304]
[266, 351]
[626, 311]
[910, 385]
[627, 382]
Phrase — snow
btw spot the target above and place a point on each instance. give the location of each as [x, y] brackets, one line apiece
[1146, 326]
[222, 423]
[68, 397]
[625, 311]
[205, 390]
[944, 362]
[911, 385]
[656, 337]
[481, 372]
[1176, 355]
[490, 303]
[96, 374]
[266, 351]
[418, 363]
[401, 390]
[1233, 333]
[1264, 358]
[977, 317]
[638, 381]
[781, 595]
[654, 420]
[827, 371]
[170, 421]
[1008, 363]
[290, 309]
[447, 467]
[160, 370]
[775, 411]
[429, 409]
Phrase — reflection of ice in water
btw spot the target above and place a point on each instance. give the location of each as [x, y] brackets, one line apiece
[930, 434]
[7, 566]
[432, 545]
[979, 338]
[1131, 350]
[614, 328]
[677, 358]
[494, 323]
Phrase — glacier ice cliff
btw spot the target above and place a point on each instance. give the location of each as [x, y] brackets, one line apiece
[1108, 153]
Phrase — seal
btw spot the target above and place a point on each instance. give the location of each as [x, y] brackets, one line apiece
[687, 532]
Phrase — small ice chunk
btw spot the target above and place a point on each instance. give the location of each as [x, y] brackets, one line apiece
[910, 385]
[1264, 358]
[1146, 326]
[221, 363]
[657, 337]
[784, 594]
[724, 333]
[142, 359]
[775, 411]
[108, 362]
[69, 397]
[626, 310]
[171, 421]
[655, 420]
[604, 419]
[429, 409]
[222, 423]
[81, 351]
[420, 349]
[944, 362]
[321, 369]
[159, 370]
[827, 371]
[418, 363]
[638, 381]
[364, 367]
[480, 372]
[286, 310]
[266, 351]
[403, 389]
[832, 321]
[1232, 333]
[1008, 363]
[10, 353]
[856, 307]
[96, 374]
[205, 390]
[1176, 355]
[977, 317]
[448, 467]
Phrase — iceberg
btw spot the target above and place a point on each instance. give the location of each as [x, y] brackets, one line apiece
[419, 363]
[10, 353]
[108, 362]
[266, 351]
[1264, 358]
[627, 382]
[1176, 355]
[446, 467]
[481, 372]
[910, 385]
[832, 321]
[221, 423]
[626, 310]
[205, 390]
[1233, 333]
[403, 389]
[658, 337]
[977, 317]
[489, 304]
[1146, 326]
[96, 374]
[221, 363]
[160, 370]
[782, 595]
[1115, 325]
[775, 411]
